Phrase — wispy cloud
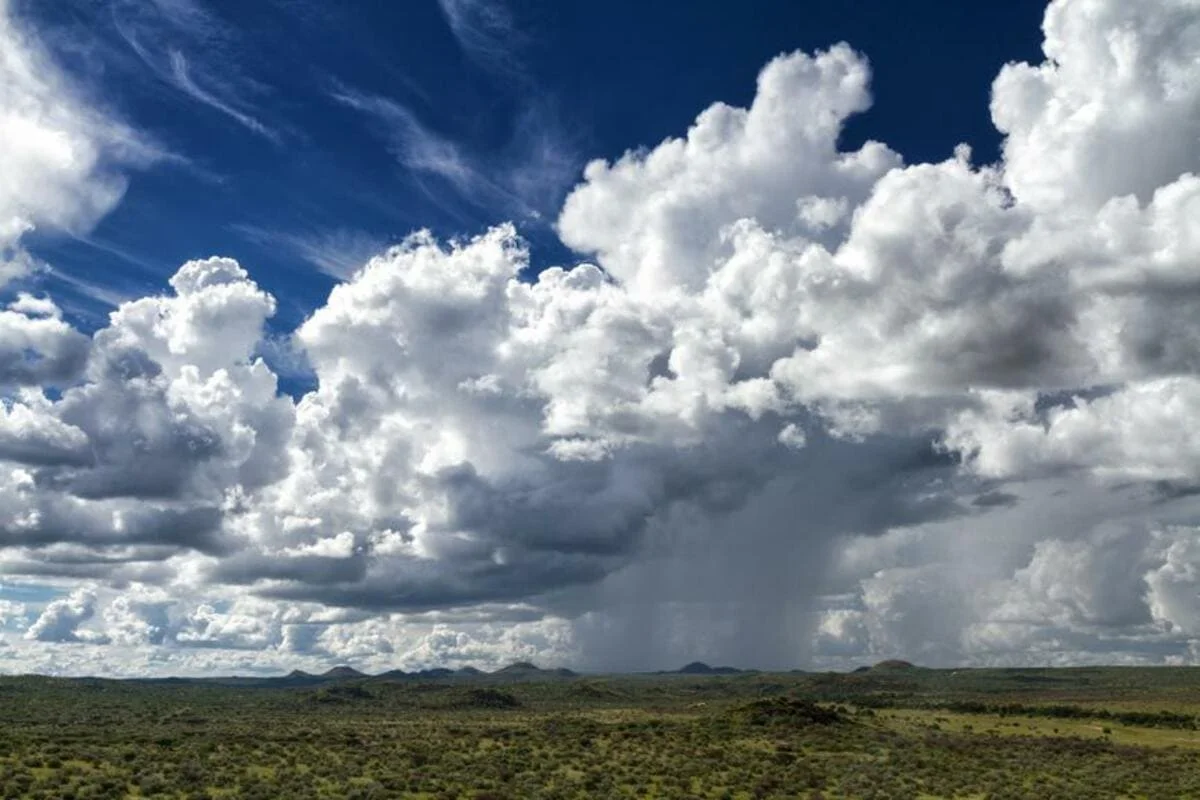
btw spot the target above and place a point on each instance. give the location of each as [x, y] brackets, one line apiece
[415, 145]
[183, 79]
[86, 302]
[147, 266]
[526, 178]
[176, 26]
[339, 253]
[541, 162]
[188, 15]
[485, 31]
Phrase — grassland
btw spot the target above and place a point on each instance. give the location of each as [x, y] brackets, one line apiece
[882, 733]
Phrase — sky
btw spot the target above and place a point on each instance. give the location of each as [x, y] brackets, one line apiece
[458, 332]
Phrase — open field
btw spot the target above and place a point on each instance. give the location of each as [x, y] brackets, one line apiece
[883, 733]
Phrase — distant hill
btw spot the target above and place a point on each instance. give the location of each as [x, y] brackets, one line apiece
[343, 674]
[700, 668]
[434, 674]
[519, 671]
[517, 668]
[890, 665]
[524, 669]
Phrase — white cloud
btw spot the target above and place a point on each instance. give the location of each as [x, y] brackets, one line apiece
[60, 621]
[1139, 432]
[658, 220]
[13, 613]
[139, 616]
[1112, 110]
[1173, 584]
[62, 160]
[244, 624]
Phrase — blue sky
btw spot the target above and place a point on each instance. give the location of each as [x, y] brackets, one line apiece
[778, 334]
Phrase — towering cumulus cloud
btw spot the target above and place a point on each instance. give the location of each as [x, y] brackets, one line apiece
[807, 406]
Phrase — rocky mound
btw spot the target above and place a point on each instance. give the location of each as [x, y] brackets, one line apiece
[595, 691]
[489, 698]
[789, 711]
[341, 694]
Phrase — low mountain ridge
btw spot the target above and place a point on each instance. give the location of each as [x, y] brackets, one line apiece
[343, 673]
[700, 668]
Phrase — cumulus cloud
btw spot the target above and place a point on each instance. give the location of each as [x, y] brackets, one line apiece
[808, 406]
[660, 220]
[38, 348]
[149, 445]
[244, 624]
[13, 613]
[139, 616]
[1110, 113]
[60, 620]
[1138, 432]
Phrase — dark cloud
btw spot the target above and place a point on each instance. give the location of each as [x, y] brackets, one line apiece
[39, 352]
[995, 498]
[62, 520]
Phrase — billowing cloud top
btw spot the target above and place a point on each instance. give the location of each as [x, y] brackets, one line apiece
[806, 406]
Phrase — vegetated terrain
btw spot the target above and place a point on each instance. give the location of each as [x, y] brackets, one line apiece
[891, 731]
